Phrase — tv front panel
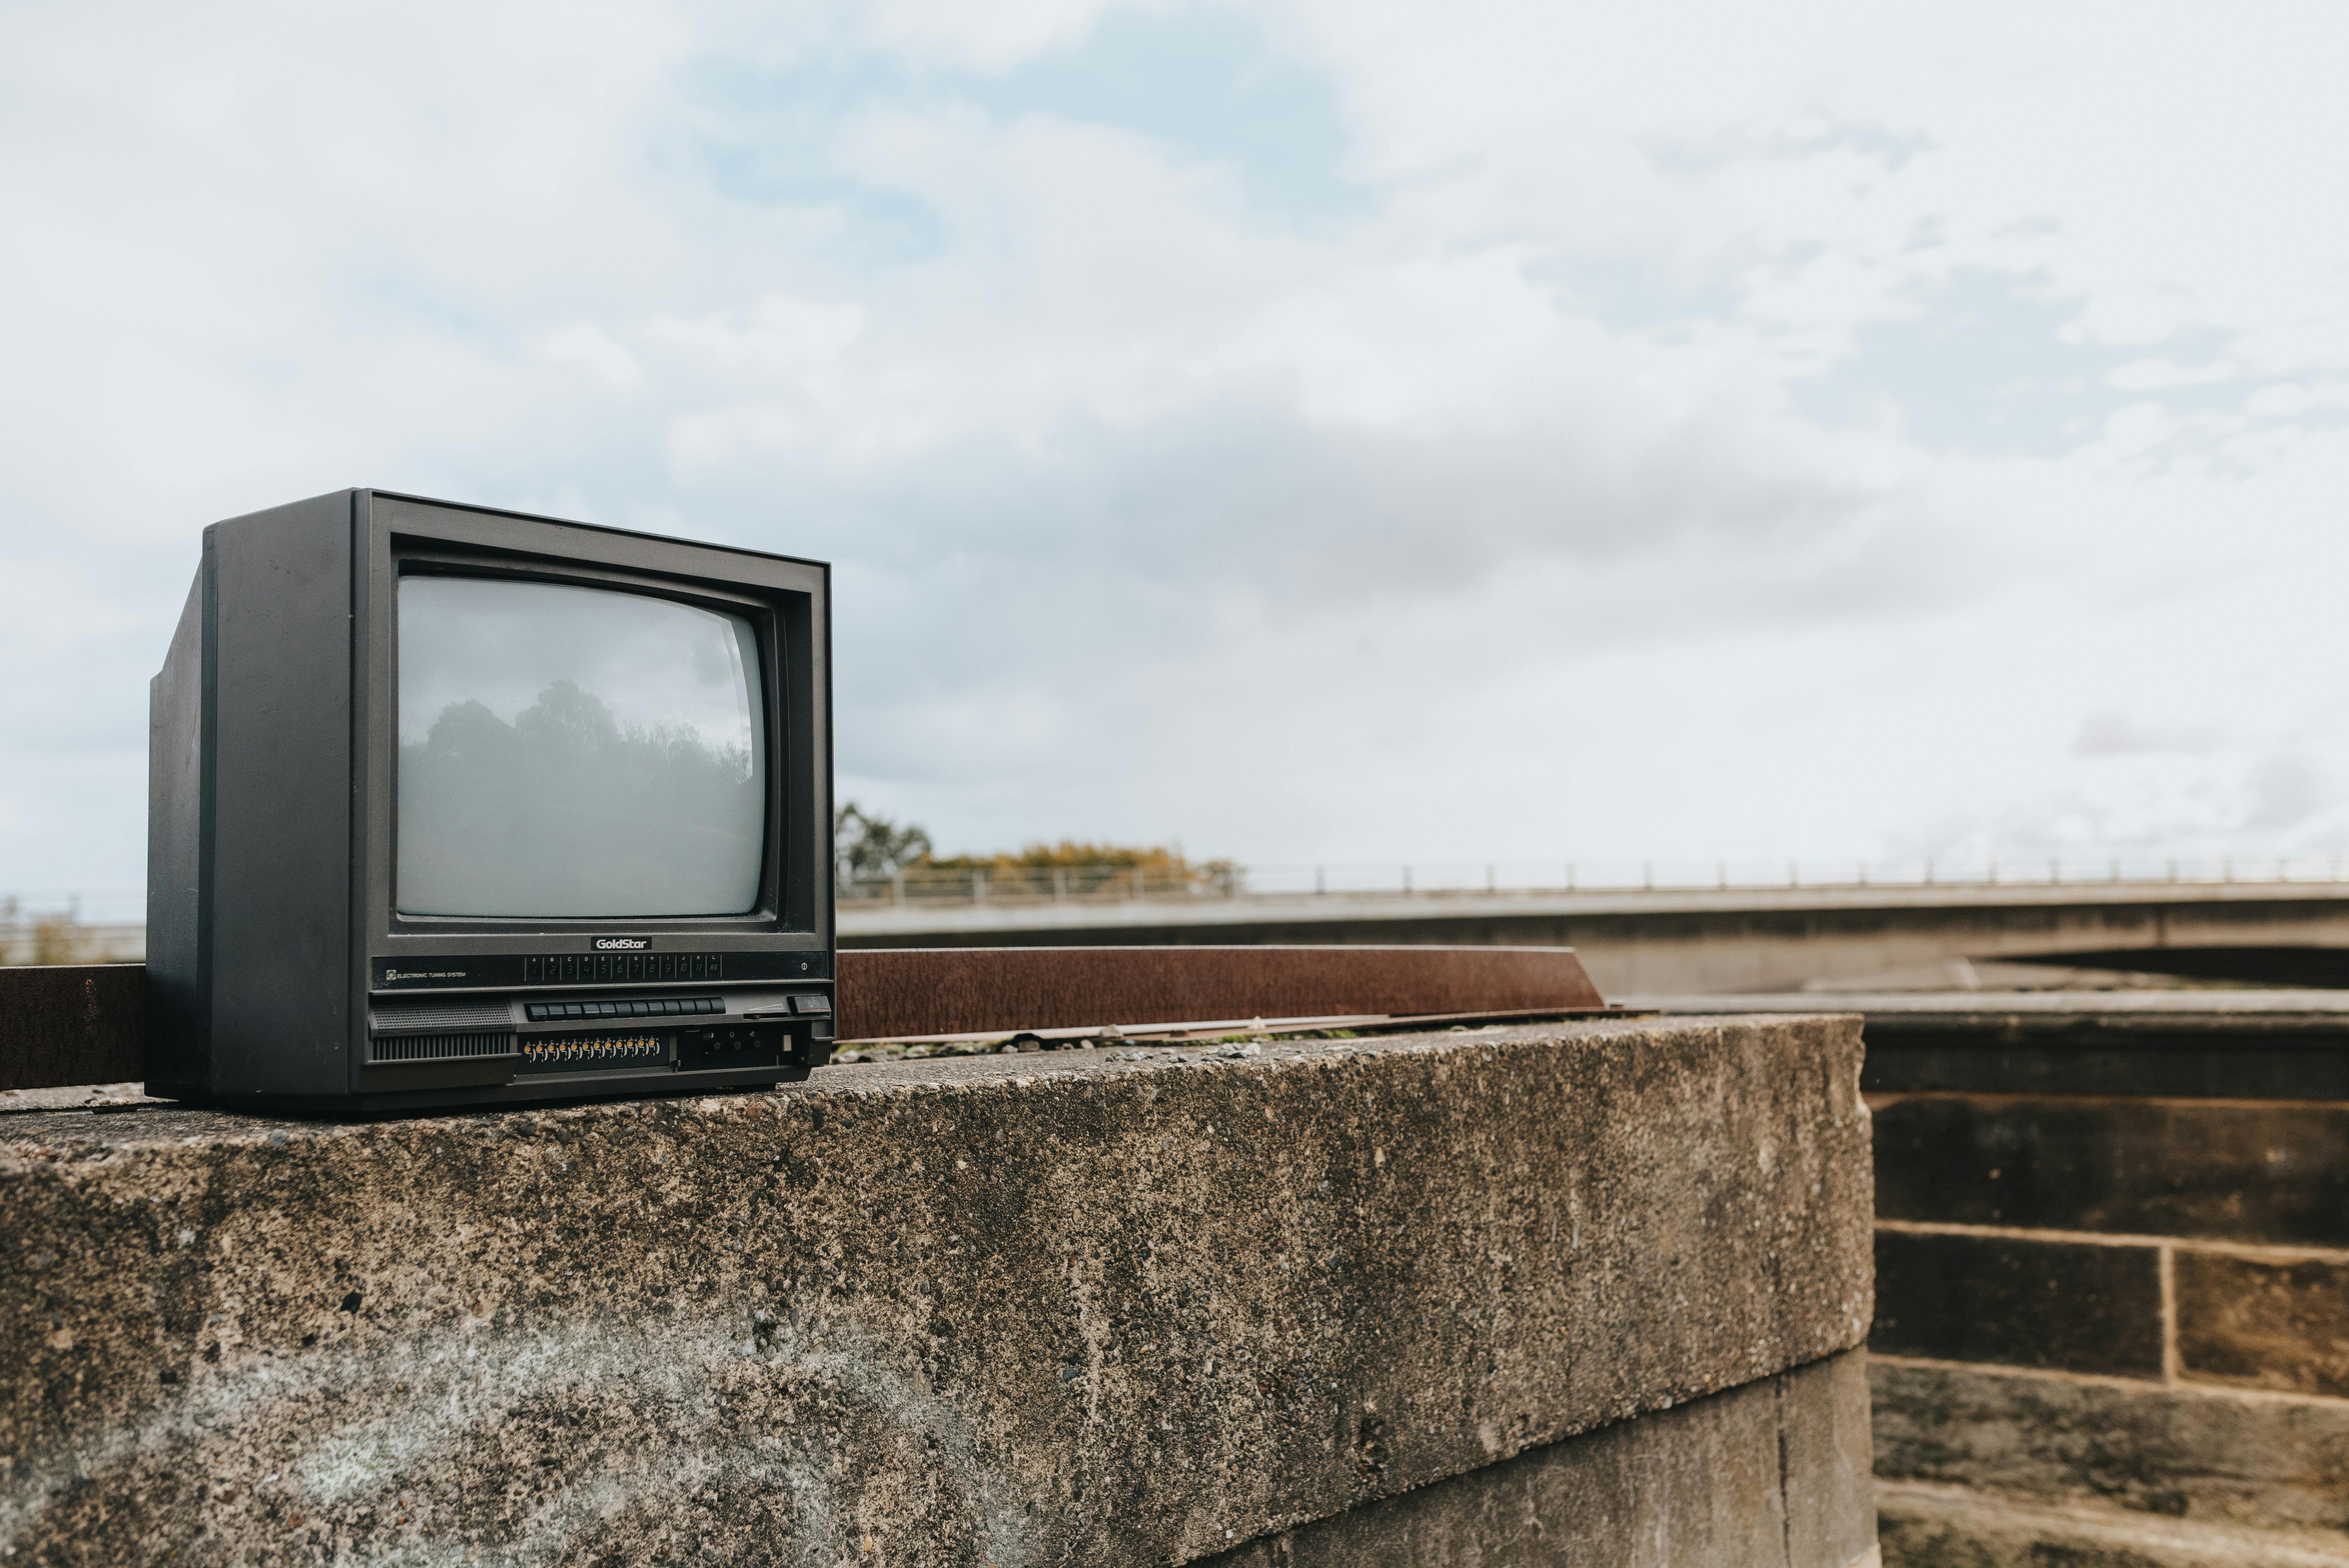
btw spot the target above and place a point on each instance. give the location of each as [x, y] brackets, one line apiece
[455, 805]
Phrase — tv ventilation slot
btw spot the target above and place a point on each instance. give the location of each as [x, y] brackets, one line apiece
[420, 1018]
[440, 1048]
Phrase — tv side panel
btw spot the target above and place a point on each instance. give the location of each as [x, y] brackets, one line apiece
[178, 1012]
[280, 721]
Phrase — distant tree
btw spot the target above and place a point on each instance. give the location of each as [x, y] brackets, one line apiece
[57, 938]
[868, 846]
[1070, 854]
[1090, 865]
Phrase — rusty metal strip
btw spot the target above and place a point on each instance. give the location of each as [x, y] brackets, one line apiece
[86, 1024]
[72, 1023]
[895, 994]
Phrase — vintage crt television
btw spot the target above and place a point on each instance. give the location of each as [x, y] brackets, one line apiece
[455, 807]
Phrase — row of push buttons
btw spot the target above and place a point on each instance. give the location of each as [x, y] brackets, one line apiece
[665, 1007]
[587, 968]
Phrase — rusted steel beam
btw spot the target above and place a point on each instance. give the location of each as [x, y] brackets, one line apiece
[888, 993]
[84, 1024]
[72, 1023]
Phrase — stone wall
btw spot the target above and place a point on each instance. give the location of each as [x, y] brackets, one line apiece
[2113, 1309]
[1367, 1300]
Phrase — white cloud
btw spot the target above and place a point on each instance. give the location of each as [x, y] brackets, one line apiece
[1699, 430]
[586, 348]
[991, 38]
[2109, 733]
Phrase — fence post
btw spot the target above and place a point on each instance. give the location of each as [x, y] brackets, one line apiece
[978, 886]
[897, 887]
[1406, 881]
[1321, 881]
[1490, 884]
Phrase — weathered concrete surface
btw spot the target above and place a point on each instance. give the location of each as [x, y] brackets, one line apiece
[1774, 1472]
[1017, 1310]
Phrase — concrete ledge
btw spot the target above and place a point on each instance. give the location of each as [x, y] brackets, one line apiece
[1016, 1310]
[1772, 1473]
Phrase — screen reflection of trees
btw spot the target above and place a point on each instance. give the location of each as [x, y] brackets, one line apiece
[567, 812]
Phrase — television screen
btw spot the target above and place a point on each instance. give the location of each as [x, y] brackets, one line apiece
[570, 752]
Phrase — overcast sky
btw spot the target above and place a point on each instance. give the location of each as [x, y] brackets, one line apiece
[1329, 430]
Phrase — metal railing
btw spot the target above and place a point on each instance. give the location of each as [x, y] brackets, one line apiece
[927, 886]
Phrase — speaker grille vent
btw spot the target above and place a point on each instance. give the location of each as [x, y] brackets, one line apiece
[433, 1017]
[440, 1048]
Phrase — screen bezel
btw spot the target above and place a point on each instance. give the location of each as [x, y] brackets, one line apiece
[788, 603]
[766, 628]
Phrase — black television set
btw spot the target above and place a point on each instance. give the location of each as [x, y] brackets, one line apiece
[455, 805]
